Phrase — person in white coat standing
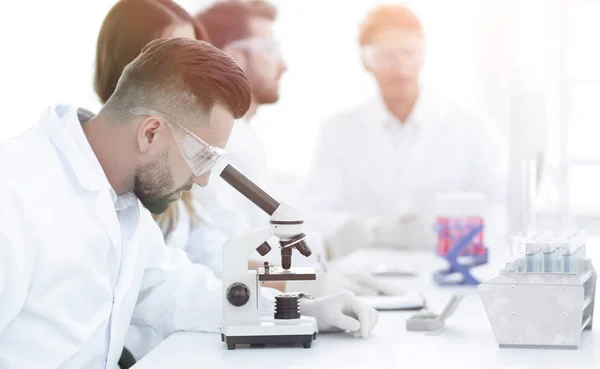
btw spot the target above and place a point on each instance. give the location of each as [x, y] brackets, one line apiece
[80, 258]
[377, 167]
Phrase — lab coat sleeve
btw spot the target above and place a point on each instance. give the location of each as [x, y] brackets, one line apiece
[205, 245]
[17, 257]
[175, 294]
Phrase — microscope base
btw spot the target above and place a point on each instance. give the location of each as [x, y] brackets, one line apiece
[269, 331]
[232, 341]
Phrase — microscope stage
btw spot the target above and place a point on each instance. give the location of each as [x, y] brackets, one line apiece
[277, 273]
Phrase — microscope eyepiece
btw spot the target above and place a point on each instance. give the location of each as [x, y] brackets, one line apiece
[250, 190]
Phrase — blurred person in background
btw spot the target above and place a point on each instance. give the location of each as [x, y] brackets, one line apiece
[377, 167]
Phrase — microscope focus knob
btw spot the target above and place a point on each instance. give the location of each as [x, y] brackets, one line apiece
[238, 294]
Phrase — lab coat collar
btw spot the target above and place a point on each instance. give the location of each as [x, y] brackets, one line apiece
[62, 124]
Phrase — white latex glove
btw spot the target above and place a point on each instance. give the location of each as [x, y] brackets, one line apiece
[360, 283]
[342, 312]
[406, 231]
[327, 284]
[352, 235]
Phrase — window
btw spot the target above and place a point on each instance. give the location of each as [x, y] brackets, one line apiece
[580, 106]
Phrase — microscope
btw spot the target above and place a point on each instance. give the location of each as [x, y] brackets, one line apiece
[242, 322]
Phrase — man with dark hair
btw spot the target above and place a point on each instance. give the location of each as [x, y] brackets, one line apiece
[383, 162]
[80, 258]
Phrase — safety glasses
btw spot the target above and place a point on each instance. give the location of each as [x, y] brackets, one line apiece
[390, 55]
[268, 46]
[200, 156]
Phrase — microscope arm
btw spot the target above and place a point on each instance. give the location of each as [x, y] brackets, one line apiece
[236, 250]
[286, 224]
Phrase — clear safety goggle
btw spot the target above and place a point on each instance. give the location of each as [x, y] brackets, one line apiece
[266, 45]
[200, 156]
[390, 55]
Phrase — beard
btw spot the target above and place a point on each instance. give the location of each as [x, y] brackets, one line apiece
[264, 89]
[152, 183]
[266, 95]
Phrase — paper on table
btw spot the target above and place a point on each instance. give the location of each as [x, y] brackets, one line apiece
[408, 301]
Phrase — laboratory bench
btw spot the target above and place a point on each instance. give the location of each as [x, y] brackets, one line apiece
[467, 340]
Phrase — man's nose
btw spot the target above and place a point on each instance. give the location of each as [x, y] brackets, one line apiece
[282, 66]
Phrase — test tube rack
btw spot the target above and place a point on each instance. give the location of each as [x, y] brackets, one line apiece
[545, 302]
[460, 258]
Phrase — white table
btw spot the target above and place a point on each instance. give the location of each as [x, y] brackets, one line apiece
[466, 342]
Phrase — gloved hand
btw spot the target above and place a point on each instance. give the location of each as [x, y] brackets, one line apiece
[341, 312]
[406, 231]
[328, 283]
[352, 235]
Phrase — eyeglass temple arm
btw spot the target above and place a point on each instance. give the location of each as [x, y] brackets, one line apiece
[250, 190]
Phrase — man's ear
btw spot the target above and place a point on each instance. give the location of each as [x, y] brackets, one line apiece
[146, 133]
[362, 60]
[238, 55]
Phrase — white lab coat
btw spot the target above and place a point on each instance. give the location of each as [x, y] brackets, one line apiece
[198, 237]
[368, 165]
[78, 263]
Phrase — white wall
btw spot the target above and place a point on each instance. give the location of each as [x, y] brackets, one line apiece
[48, 50]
